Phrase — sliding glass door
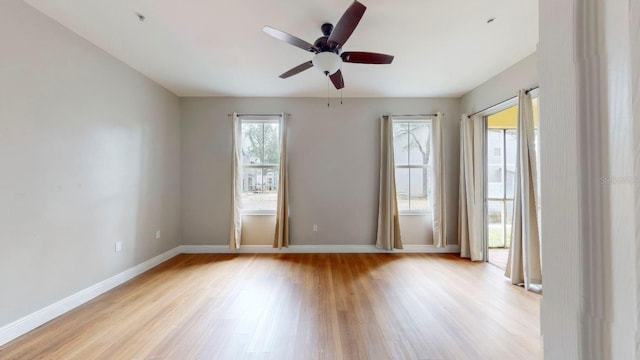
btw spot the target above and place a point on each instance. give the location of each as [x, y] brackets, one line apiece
[501, 171]
[501, 145]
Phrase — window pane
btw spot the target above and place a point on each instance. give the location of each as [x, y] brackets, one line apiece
[401, 143]
[419, 143]
[420, 184]
[495, 234]
[511, 143]
[259, 189]
[508, 219]
[260, 143]
[511, 181]
[252, 141]
[251, 180]
[402, 189]
[536, 118]
[271, 143]
[495, 164]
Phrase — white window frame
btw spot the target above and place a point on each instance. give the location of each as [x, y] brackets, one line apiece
[259, 119]
[420, 120]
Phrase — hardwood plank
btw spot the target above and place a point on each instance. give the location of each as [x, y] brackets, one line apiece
[299, 306]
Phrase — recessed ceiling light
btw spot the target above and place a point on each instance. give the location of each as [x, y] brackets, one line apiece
[141, 17]
[490, 20]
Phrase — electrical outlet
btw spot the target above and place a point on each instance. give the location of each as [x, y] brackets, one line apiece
[158, 234]
[118, 246]
[315, 227]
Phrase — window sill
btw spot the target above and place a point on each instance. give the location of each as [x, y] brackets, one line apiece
[412, 213]
[259, 213]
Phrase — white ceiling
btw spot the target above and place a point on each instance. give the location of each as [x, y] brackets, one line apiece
[442, 48]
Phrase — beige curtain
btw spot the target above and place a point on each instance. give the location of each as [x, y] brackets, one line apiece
[388, 236]
[281, 237]
[523, 266]
[439, 201]
[236, 184]
[471, 191]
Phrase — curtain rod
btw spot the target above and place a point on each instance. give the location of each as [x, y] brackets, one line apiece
[259, 114]
[531, 89]
[415, 115]
[501, 102]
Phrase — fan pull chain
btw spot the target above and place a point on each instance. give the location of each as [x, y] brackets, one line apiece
[340, 96]
[327, 91]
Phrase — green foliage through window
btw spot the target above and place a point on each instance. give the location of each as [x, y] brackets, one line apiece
[260, 143]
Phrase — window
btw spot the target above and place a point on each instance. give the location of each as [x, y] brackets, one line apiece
[414, 165]
[260, 162]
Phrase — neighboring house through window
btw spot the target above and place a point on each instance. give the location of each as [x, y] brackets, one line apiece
[414, 164]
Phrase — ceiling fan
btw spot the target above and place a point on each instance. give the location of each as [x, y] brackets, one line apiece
[328, 48]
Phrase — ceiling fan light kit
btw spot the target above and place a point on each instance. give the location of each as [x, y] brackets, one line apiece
[327, 62]
[328, 48]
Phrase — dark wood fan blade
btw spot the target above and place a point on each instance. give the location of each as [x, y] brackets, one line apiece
[346, 25]
[337, 79]
[298, 69]
[289, 39]
[361, 57]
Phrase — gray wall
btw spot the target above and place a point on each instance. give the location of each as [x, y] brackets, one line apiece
[522, 75]
[333, 159]
[89, 155]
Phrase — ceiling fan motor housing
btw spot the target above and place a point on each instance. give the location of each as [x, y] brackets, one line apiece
[326, 29]
[322, 44]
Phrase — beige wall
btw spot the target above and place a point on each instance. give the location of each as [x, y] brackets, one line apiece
[259, 229]
[521, 75]
[89, 155]
[333, 162]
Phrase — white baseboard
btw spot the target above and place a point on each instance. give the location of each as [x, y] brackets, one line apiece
[430, 249]
[310, 249]
[224, 249]
[40, 317]
[33, 320]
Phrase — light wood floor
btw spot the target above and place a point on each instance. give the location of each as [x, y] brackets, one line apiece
[499, 257]
[299, 306]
